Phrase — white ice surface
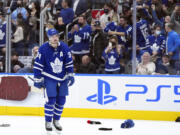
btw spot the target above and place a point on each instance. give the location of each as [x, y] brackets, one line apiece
[31, 125]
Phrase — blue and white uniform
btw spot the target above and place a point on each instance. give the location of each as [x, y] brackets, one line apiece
[54, 65]
[110, 27]
[142, 32]
[112, 61]
[81, 40]
[156, 43]
[57, 62]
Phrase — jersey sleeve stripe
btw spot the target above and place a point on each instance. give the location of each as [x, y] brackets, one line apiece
[38, 64]
[37, 68]
[69, 66]
[69, 63]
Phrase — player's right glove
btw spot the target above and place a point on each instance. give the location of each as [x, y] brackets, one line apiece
[70, 79]
[39, 82]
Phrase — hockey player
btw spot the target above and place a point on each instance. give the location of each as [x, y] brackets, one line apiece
[53, 70]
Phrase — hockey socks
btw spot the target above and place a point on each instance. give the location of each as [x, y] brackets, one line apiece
[49, 108]
[58, 109]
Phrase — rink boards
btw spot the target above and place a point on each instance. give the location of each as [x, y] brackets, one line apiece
[107, 96]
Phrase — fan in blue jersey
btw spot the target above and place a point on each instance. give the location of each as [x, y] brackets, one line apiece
[53, 70]
[81, 35]
[156, 43]
[2, 31]
[111, 26]
[112, 56]
[123, 32]
[142, 32]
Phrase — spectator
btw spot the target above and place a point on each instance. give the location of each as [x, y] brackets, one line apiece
[19, 10]
[127, 12]
[112, 56]
[109, 14]
[87, 66]
[29, 69]
[173, 43]
[169, 7]
[164, 67]
[159, 21]
[49, 13]
[32, 37]
[99, 43]
[143, 31]
[15, 63]
[79, 7]
[2, 31]
[124, 33]
[146, 67]
[175, 18]
[34, 9]
[156, 44]
[81, 38]
[66, 15]
[18, 38]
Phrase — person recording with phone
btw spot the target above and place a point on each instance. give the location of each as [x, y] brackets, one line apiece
[112, 56]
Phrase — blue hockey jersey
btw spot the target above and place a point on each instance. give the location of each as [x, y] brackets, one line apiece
[3, 34]
[53, 63]
[112, 60]
[110, 27]
[142, 32]
[81, 40]
[123, 39]
[159, 42]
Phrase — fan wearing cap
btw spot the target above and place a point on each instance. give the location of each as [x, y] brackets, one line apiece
[53, 70]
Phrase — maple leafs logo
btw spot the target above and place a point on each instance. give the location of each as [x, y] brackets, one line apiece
[57, 66]
[111, 60]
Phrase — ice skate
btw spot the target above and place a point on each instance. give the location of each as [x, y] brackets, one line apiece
[48, 126]
[57, 126]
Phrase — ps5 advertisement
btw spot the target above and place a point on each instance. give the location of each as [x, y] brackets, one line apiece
[119, 92]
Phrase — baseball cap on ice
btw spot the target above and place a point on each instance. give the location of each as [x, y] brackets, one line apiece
[52, 32]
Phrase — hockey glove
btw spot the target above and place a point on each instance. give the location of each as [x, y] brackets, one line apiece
[39, 82]
[70, 80]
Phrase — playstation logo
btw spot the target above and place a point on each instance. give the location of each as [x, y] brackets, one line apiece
[102, 97]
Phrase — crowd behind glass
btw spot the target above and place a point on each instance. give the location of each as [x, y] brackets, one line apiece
[100, 35]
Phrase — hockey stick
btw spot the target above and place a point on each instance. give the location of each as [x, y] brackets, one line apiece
[33, 88]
